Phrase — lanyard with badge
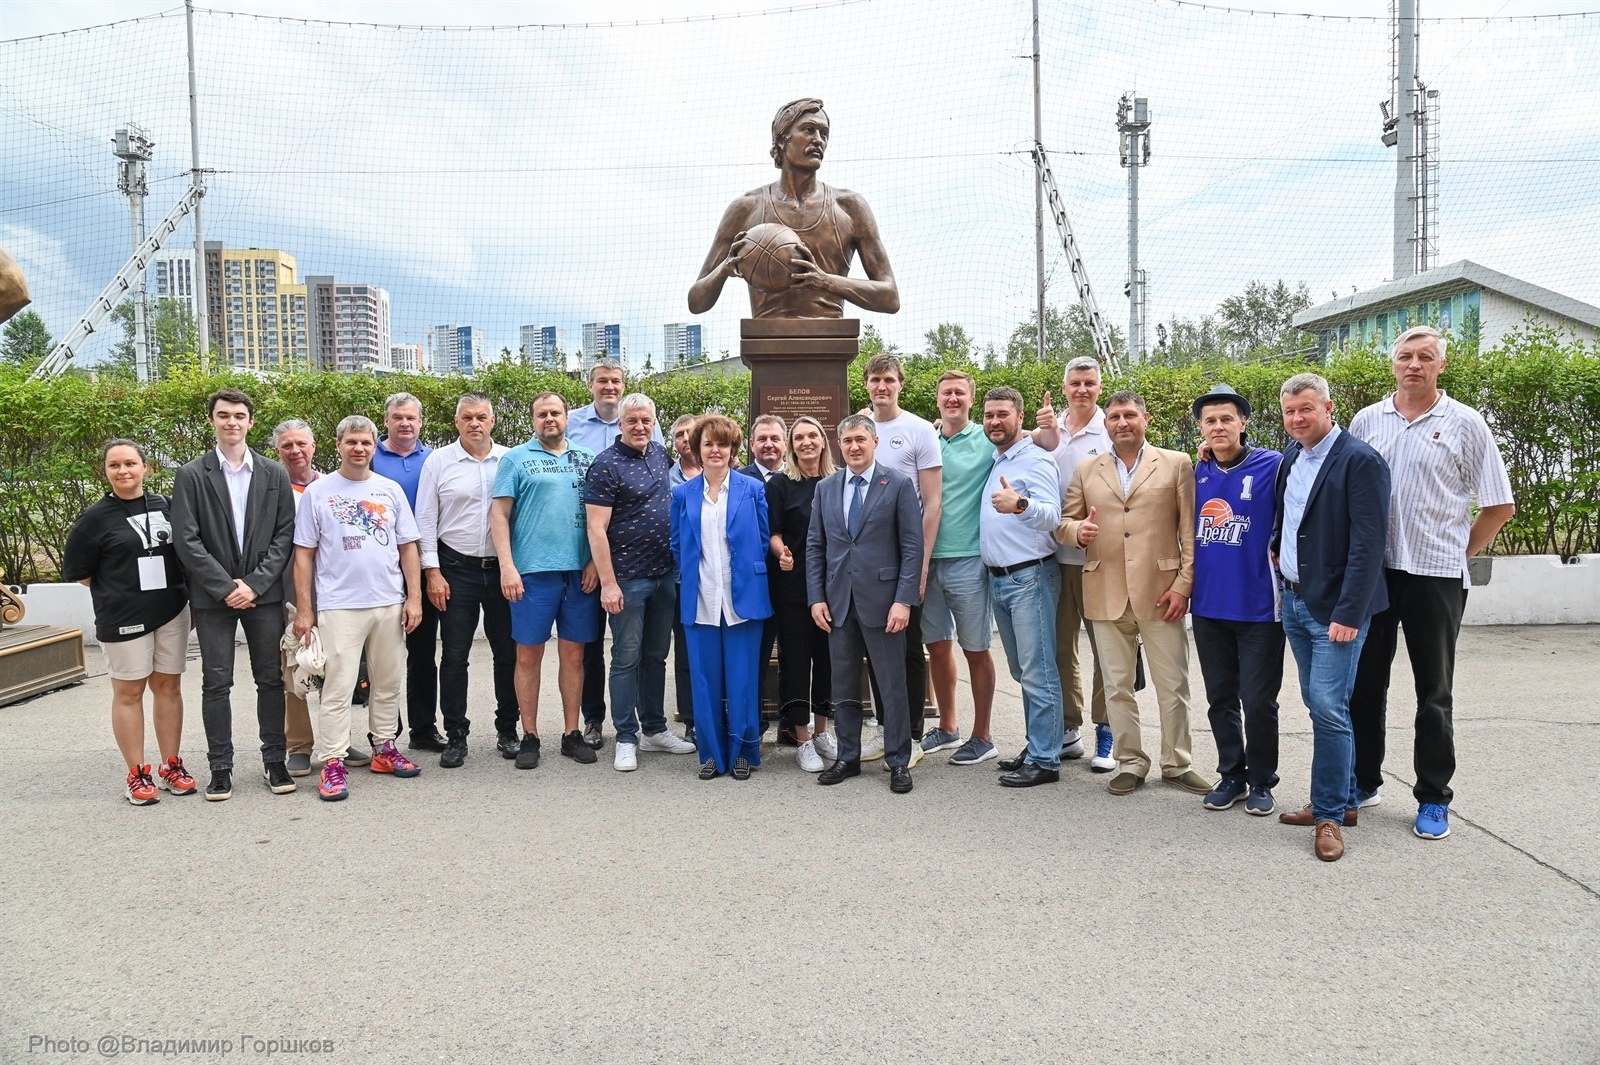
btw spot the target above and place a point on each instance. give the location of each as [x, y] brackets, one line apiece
[152, 566]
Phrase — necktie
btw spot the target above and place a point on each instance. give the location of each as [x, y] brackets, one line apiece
[858, 496]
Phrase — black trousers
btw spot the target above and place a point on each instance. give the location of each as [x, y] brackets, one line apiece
[681, 686]
[916, 673]
[1242, 663]
[474, 589]
[594, 681]
[1429, 609]
[805, 672]
[263, 629]
[422, 672]
[847, 644]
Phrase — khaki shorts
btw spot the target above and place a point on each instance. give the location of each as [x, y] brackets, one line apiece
[164, 651]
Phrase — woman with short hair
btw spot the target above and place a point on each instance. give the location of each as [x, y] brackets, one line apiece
[719, 541]
[121, 547]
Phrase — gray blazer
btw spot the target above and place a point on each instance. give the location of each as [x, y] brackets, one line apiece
[882, 565]
[203, 533]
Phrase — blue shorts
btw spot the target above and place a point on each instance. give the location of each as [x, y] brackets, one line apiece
[555, 600]
[957, 604]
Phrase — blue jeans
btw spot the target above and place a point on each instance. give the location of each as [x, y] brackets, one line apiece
[1025, 609]
[1327, 675]
[641, 636]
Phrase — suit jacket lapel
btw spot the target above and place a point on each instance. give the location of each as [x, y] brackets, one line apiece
[255, 507]
[1108, 471]
[1147, 467]
[876, 489]
[1322, 471]
[219, 487]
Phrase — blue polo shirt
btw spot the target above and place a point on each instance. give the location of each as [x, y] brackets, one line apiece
[588, 430]
[404, 470]
[549, 527]
[637, 486]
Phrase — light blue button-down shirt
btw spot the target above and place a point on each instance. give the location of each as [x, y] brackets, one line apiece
[1007, 539]
[592, 433]
[1296, 493]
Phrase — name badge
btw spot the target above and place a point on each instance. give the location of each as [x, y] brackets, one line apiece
[152, 573]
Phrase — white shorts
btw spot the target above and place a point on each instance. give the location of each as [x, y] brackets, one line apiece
[164, 651]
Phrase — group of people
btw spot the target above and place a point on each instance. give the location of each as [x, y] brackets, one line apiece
[864, 577]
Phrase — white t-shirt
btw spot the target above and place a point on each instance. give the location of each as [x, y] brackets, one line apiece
[908, 445]
[357, 528]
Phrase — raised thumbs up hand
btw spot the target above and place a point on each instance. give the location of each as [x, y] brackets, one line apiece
[1088, 532]
[1005, 500]
[1045, 418]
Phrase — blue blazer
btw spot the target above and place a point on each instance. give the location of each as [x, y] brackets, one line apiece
[1341, 539]
[749, 542]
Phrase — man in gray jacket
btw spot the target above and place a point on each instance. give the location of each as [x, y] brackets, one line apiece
[233, 524]
[863, 569]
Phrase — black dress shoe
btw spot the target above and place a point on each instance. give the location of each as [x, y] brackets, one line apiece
[1011, 765]
[1029, 775]
[900, 779]
[427, 741]
[508, 744]
[838, 771]
[455, 752]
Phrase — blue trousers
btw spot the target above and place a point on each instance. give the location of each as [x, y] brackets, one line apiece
[725, 673]
[1327, 675]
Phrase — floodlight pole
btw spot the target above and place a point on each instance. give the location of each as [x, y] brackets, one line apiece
[1038, 189]
[201, 309]
[1405, 182]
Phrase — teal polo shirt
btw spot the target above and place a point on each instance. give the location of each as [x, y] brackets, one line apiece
[968, 457]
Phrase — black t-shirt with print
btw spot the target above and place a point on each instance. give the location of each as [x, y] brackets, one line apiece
[105, 546]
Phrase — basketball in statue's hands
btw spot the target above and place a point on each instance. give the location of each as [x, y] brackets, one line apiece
[770, 250]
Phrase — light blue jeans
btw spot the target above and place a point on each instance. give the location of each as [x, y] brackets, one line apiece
[641, 636]
[1025, 609]
[1327, 675]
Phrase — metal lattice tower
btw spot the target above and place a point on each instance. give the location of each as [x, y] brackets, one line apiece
[132, 146]
[1133, 129]
[1411, 127]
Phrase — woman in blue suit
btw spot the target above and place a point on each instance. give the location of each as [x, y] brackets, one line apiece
[720, 540]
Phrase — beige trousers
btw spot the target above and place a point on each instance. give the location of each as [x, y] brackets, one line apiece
[1069, 617]
[345, 634]
[1166, 649]
[297, 737]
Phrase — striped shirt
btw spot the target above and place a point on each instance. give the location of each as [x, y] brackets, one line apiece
[1438, 465]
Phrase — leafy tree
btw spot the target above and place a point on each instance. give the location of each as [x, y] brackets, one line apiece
[1066, 336]
[948, 341]
[1258, 320]
[171, 331]
[1182, 341]
[26, 340]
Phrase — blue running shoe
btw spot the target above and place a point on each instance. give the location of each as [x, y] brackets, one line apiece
[1102, 762]
[1433, 821]
[1228, 791]
[1259, 802]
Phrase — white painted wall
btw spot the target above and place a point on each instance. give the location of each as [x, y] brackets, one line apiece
[1499, 314]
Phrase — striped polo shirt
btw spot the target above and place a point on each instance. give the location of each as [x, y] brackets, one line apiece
[1439, 465]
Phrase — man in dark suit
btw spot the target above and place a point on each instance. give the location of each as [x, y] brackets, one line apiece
[233, 523]
[863, 571]
[1327, 547]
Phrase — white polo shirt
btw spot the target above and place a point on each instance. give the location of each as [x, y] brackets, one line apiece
[1079, 447]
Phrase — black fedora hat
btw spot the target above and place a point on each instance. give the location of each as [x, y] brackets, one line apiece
[1222, 394]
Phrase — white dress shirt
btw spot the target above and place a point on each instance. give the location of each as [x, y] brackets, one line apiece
[1296, 494]
[454, 495]
[714, 598]
[238, 490]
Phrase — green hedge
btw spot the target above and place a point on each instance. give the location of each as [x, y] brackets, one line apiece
[1540, 393]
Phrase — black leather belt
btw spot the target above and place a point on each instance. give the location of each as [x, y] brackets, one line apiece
[467, 560]
[1005, 571]
[1293, 586]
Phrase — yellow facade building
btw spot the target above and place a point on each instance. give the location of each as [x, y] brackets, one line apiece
[263, 310]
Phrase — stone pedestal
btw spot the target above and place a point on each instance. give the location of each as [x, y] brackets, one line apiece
[800, 366]
[35, 658]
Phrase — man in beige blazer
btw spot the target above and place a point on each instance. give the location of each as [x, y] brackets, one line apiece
[1133, 511]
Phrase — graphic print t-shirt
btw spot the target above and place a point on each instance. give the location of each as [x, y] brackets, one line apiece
[549, 526]
[357, 528]
[105, 546]
[1234, 511]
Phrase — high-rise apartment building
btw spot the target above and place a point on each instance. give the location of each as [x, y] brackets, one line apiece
[349, 325]
[407, 358]
[544, 346]
[455, 349]
[680, 345]
[171, 277]
[264, 313]
[603, 340]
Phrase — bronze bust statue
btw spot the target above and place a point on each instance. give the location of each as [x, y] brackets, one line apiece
[832, 226]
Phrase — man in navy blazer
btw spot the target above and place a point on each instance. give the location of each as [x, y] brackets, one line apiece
[233, 527]
[1327, 545]
[863, 572]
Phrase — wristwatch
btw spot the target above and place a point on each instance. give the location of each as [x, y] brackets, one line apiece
[1022, 504]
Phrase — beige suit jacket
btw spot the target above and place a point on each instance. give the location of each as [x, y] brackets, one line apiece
[1146, 542]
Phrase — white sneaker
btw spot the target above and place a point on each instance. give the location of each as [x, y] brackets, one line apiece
[666, 742]
[917, 754]
[808, 757]
[825, 745]
[627, 759]
[1071, 744]
[871, 744]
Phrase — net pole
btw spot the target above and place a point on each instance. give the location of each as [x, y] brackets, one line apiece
[1038, 189]
[201, 308]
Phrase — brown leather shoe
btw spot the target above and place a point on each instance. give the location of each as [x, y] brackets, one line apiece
[1304, 818]
[1328, 842]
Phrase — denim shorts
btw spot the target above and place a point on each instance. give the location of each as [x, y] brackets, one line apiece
[555, 600]
[957, 604]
